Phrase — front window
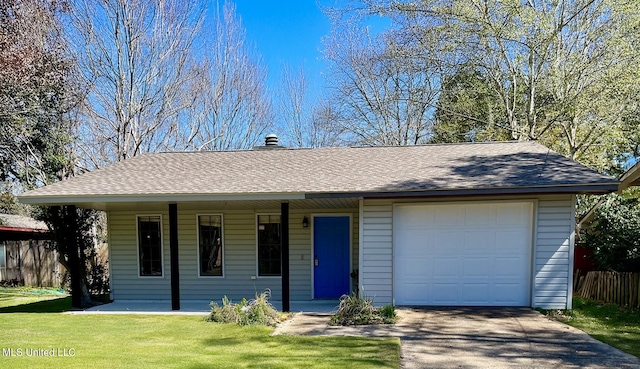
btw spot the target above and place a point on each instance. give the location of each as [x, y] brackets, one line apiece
[269, 245]
[3, 260]
[150, 245]
[210, 245]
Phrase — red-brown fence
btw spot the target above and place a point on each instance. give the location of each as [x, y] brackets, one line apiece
[612, 287]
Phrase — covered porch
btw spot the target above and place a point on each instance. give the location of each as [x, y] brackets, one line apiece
[239, 226]
[196, 307]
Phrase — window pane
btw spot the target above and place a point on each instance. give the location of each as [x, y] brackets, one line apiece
[150, 245]
[3, 263]
[210, 247]
[269, 249]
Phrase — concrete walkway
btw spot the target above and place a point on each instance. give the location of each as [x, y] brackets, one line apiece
[478, 338]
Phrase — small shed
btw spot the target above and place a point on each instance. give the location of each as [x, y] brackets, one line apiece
[27, 255]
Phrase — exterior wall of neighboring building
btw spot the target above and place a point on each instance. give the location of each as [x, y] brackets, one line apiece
[553, 239]
[29, 262]
[239, 256]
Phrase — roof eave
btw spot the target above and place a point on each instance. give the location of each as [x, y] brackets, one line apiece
[595, 189]
[22, 229]
[53, 200]
[600, 188]
[630, 178]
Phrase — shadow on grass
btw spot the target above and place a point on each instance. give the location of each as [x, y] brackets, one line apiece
[303, 351]
[58, 305]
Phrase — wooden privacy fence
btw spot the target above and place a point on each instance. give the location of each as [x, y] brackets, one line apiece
[610, 287]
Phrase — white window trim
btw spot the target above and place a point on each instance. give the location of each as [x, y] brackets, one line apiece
[257, 215]
[198, 246]
[138, 216]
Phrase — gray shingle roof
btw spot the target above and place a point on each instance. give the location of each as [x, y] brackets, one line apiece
[342, 171]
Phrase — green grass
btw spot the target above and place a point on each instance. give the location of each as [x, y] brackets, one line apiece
[161, 341]
[611, 324]
[33, 300]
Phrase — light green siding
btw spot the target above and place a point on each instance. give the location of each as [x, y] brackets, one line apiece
[239, 260]
[377, 251]
[553, 260]
[125, 280]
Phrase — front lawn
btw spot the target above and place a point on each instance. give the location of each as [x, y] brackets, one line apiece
[33, 300]
[611, 324]
[162, 341]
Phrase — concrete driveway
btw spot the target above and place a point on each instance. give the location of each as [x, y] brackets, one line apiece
[478, 338]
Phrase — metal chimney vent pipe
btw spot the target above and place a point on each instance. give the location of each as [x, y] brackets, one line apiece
[270, 143]
[271, 140]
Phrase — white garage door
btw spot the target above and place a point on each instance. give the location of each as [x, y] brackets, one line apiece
[462, 254]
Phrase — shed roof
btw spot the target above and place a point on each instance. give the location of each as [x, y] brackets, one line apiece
[472, 168]
[19, 223]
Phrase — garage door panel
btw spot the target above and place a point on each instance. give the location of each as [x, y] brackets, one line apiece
[471, 254]
[508, 294]
[511, 241]
[419, 240]
[475, 293]
[415, 294]
[477, 267]
[446, 215]
[510, 266]
[479, 242]
[415, 217]
[443, 294]
[417, 268]
[512, 214]
[479, 216]
[445, 267]
[446, 242]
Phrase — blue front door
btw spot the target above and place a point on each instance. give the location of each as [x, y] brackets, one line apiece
[331, 256]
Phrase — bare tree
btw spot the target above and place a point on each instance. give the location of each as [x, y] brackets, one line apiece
[326, 130]
[230, 106]
[134, 57]
[384, 95]
[305, 123]
[293, 106]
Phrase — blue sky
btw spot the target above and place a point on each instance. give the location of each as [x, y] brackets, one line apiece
[287, 31]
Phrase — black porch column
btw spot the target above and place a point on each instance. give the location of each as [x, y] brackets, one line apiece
[173, 252]
[71, 239]
[284, 229]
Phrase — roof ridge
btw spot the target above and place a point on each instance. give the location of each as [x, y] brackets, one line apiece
[446, 144]
[342, 147]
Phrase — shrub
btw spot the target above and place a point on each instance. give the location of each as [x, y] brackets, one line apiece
[258, 311]
[388, 314]
[614, 234]
[227, 313]
[359, 310]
